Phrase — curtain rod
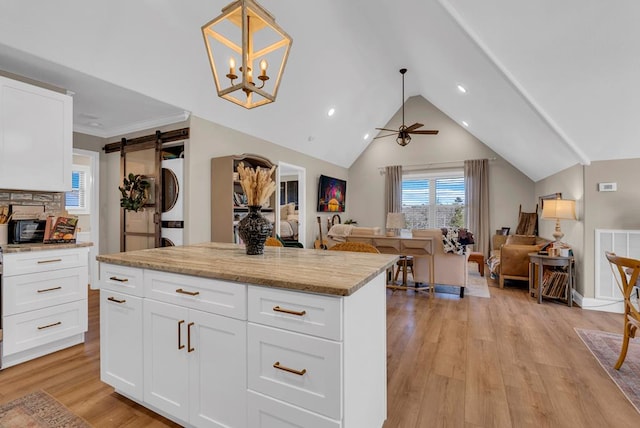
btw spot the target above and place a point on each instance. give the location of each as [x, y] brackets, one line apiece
[427, 165]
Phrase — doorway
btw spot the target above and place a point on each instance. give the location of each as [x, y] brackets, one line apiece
[86, 164]
[288, 173]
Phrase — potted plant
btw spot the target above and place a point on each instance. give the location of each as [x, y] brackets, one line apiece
[135, 192]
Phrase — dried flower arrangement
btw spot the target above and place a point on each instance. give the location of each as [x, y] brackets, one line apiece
[256, 184]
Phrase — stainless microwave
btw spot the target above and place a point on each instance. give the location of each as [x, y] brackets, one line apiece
[26, 231]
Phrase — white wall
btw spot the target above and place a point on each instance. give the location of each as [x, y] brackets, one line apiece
[365, 190]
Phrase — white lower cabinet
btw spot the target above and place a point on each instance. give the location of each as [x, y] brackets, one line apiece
[121, 342]
[44, 302]
[194, 366]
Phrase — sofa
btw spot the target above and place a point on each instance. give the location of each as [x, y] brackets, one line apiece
[339, 233]
[510, 256]
[450, 268]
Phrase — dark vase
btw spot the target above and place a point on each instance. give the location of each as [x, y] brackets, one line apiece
[254, 230]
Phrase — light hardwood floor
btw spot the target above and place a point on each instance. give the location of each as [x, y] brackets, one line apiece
[472, 362]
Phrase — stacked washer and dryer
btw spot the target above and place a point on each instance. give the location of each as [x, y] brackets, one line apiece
[172, 216]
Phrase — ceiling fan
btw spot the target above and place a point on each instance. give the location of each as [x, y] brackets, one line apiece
[404, 132]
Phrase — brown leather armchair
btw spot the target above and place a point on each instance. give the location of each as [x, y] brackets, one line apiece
[510, 255]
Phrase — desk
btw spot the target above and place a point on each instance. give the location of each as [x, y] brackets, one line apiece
[537, 262]
[419, 248]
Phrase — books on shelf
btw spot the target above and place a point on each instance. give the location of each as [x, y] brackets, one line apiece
[554, 283]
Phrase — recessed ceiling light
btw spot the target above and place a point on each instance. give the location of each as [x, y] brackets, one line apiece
[462, 89]
[331, 112]
[366, 136]
[465, 123]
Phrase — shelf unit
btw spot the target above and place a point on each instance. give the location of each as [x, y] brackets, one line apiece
[557, 279]
[225, 191]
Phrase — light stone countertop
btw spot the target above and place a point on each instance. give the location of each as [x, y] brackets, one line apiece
[21, 248]
[339, 273]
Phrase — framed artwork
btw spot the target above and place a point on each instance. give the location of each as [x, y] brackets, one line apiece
[332, 194]
[505, 230]
[550, 196]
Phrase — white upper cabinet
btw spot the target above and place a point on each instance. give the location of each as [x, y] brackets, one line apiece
[36, 137]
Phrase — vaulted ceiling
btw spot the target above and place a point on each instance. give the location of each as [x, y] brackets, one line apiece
[549, 84]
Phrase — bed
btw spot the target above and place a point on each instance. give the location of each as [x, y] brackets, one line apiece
[289, 222]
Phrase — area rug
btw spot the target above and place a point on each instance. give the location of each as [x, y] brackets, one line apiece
[38, 410]
[476, 284]
[606, 348]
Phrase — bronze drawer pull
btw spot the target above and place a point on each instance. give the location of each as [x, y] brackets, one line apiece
[49, 261]
[115, 278]
[50, 325]
[180, 345]
[49, 289]
[277, 365]
[190, 293]
[289, 311]
[113, 299]
[189, 348]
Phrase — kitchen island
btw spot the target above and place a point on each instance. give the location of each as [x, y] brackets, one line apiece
[208, 336]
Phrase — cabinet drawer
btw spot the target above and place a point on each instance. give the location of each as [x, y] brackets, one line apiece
[44, 261]
[23, 293]
[265, 412]
[122, 279]
[313, 314]
[30, 329]
[208, 295]
[298, 369]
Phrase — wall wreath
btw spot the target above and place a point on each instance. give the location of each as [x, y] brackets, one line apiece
[135, 192]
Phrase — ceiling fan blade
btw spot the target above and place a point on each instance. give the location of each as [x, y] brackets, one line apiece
[414, 126]
[388, 135]
[426, 132]
[385, 129]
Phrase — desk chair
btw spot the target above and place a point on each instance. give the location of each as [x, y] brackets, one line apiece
[405, 264]
[273, 242]
[626, 285]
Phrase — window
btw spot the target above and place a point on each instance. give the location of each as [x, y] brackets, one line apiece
[77, 200]
[433, 200]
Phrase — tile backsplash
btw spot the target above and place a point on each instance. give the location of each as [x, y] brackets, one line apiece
[52, 201]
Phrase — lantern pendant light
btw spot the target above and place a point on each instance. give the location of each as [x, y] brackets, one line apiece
[243, 37]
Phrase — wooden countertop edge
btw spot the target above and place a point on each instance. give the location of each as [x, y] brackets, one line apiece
[23, 248]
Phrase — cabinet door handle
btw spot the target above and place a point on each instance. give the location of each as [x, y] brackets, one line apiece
[49, 261]
[113, 299]
[277, 365]
[189, 348]
[190, 293]
[49, 289]
[115, 278]
[289, 311]
[180, 345]
[42, 327]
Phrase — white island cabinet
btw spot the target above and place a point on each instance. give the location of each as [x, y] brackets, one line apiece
[230, 340]
[36, 137]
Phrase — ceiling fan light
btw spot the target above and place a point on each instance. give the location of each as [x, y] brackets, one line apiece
[403, 140]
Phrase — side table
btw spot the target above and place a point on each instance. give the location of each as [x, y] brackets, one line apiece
[537, 262]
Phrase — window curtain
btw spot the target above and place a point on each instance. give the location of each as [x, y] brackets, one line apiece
[393, 189]
[476, 184]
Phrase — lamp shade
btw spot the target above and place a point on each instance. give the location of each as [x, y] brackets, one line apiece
[559, 209]
[396, 221]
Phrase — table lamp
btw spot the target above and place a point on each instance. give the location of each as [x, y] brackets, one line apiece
[559, 209]
[395, 222]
